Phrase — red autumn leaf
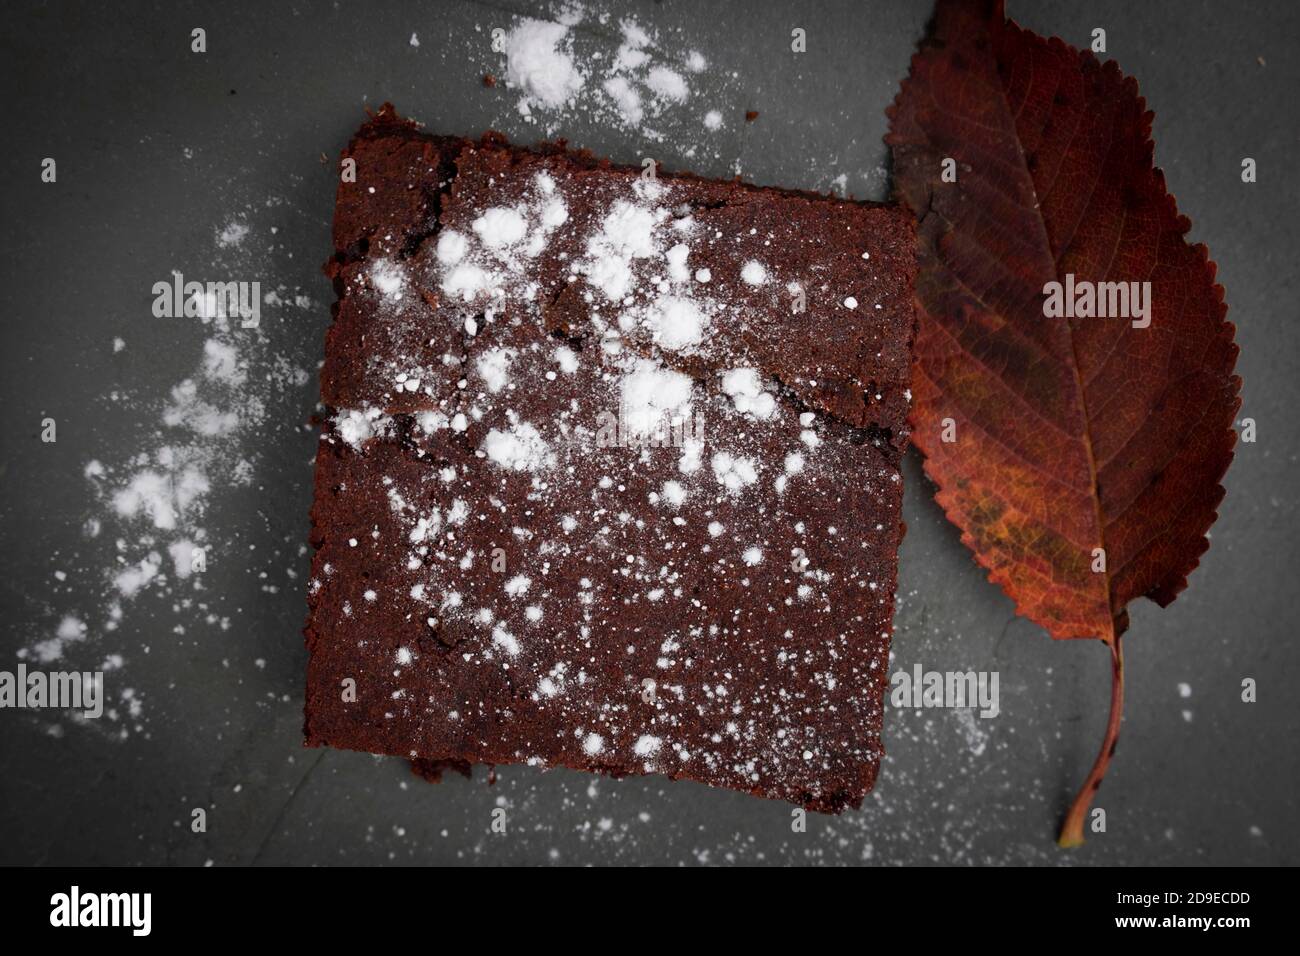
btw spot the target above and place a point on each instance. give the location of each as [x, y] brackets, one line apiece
[1081, 457]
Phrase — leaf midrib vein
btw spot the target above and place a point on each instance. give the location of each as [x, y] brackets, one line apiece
[1093, 495]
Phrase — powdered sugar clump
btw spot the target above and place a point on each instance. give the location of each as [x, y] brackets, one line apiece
[675, 322]
[734, 473]
[747, 394]
[652, 396]
[494, 367]
[539, 62]
[634, 87]
[626, 98]
[522, 448]
[163, 496]
[668, 84]
[70, 630]
[646, 745]
[506, 641]
[627, 233]
[357, 426]
[232, 234]
[490, 261]
[500, 227]
[389, 278]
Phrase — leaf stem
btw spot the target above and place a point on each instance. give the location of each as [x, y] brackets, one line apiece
[1072, 829]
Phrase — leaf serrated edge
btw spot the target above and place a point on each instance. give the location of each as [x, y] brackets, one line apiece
[1226, 331]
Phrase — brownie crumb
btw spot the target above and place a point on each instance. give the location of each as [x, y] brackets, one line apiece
[433, 770]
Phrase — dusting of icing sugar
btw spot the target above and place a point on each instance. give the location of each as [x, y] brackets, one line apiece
[492, 260]
[358, 426]
[182, 554]
[566, 359]
[635, 266]
[71, 630]
[431, 421]
[753, 273]
[232, 234]
[198, 441]
[627, 233]
[497, 228]
[389, 278]
[676, 259]
[626, 98]
[451, 247]
[674, 493]
[674, 322]
[735, 474]
[164, 496]
[494, 366]
[747, 394]
[646, 745]
[668, 84]
[505, 640]
[521, 448]
[540, 64]
[636, 87]
[651, 396]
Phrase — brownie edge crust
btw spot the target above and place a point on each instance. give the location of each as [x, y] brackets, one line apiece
[609, 478]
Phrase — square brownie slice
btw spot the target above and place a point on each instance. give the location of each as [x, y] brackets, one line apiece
[610, 478]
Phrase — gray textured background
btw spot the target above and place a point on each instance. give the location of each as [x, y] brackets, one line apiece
[158, 148]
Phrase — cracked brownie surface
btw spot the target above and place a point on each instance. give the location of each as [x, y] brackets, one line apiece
[610, 478]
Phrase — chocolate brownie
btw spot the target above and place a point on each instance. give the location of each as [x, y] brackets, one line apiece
[610, 476]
